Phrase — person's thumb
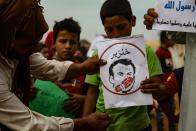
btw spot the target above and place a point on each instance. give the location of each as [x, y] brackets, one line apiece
[103, 116]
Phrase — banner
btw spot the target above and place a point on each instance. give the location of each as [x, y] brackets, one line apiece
[176, 15]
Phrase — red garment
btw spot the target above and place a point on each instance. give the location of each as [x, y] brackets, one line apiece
[49, 39]
[74, 86]
[169, 78]
[172, 87]
[48, 42]
[163, 53]
[165, 58]
[170, 83]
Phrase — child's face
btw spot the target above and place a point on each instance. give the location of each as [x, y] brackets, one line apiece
[66, 44]
[118, 26]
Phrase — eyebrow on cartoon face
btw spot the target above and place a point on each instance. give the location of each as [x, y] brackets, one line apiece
[120, 73]
[121, 66]
[123, 73]
[130, 73]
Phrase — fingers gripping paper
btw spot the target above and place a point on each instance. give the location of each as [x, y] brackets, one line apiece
[126, 67]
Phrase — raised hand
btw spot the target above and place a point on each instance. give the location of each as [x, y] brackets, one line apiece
[149, 18]
[155, 86]
[91, 65]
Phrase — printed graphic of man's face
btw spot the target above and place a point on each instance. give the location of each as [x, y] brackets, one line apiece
[123, 77]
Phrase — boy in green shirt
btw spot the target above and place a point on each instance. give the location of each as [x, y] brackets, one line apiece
[118, 20]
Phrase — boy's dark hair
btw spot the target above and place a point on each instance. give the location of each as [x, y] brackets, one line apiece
[67, 24]
[122, 61]
[163, 36]
[116, 8]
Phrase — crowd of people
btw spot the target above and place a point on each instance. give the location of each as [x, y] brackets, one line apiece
[54, 85]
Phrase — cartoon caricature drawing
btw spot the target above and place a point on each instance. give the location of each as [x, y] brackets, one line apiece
[122, 75]
[125, 69]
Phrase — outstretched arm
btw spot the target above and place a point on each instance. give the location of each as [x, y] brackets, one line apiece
[90, 66]
[54, 70]
[91, 100]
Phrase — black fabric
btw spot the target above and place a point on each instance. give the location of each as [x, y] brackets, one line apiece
[179, 77]
[20, 16]
[10, 15]
[4, 128]
[149, 128]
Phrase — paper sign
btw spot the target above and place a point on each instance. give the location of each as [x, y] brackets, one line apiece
[176, 15]
[126, 67]
[93, 45]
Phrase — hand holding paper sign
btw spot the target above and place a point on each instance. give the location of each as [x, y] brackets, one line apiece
[174, 15]
[92, 64]
[149, 18]
[89, 66]
[155, 86]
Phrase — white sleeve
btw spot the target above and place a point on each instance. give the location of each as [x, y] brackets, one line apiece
[16, 116]
[44, 69]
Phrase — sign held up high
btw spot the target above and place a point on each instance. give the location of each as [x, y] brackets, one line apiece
[176, 15]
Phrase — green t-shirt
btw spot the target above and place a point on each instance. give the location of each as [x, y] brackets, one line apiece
[50, 100]
[133, 118]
